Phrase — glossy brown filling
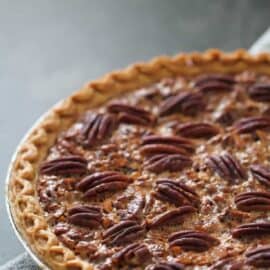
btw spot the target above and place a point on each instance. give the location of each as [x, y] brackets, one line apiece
[172, 176]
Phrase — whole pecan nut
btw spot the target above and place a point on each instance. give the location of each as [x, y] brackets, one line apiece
[253, 201]
[96, 128]
[261, 173]
[85, 216]
[175, 192]
[251, 229]
[167, 162]
[123, 232]
[259, 257]
[64, 165]
[131, 114]
[251, 124]
[171, 217]
[260, 92]
[214, 82]
[133, 254]
[192, 240]
[185, 102]
[101, 182]
[226, 166]
[197, 130]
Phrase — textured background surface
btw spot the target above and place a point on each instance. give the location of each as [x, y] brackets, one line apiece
[49, 48]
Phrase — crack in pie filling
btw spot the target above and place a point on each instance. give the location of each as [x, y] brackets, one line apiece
[172, 176]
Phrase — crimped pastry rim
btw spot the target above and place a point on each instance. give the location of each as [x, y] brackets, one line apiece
[25, 245]
[23, 206]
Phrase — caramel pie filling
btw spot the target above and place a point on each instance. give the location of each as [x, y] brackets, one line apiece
[172, 176]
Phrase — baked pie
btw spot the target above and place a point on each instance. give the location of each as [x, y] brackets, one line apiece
[162, 166]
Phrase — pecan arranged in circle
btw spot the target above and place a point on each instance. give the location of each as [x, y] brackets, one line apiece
[85, 216]
[192, 240]
[214, 82]
[261, 173]
[259, 257]
[253, 201]
[96, 128]
[185, 102]
[123, 232]
[100, 182]
[175, 192]
[64, 165]
[226, 166]
[260, 92]
[197, 130]
[171, 217]
[167, 266]
[154, 144]
[251, 229]
[131, 114]
[133, 254]
[167, 162]
[251, 124]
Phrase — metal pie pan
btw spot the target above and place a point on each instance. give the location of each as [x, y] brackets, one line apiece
[23, 241]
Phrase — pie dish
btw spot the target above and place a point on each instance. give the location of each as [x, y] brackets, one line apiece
[163, 165]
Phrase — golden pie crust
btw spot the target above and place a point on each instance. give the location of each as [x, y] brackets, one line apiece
[24, 204]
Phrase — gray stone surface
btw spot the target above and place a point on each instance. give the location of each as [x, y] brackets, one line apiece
[21, 262]
[49, 48]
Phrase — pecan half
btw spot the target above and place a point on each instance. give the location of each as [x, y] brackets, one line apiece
[251, 229]
[131, 114]
[154, 144]
[175, 192]
[226, 166]
[253, 201]
[64, 165]
[167, 162]
[259, 257]
[260, 92]
[261, 173]
[85, 216]
[96, 128]
[214, 82]
[167, 266]
[171, 217]
[251, 124]
[197, 130]
[192, 240]
[185, 102]
[133, 254]
[227, 264]
[100, 182]
[123, 232]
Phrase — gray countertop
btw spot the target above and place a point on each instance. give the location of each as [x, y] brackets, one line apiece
[50, 48]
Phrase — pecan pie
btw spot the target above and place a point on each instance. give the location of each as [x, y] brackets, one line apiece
[163, 166]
